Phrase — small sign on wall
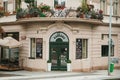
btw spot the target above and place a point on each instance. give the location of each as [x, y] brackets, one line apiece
[23, 37]
[115, 60]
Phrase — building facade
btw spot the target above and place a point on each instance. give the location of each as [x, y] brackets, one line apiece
[61, 38]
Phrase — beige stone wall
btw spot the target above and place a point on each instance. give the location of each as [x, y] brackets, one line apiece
[97, 60]
[73, 30]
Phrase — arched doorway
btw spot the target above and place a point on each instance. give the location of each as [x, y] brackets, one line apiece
[59, 50]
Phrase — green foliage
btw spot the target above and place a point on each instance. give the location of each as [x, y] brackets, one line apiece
[29, 1]
[49, 61]
[93, 15]
[84, 6]
[42, 15]
[68, 61]
[21, 13]
[45, 7]
[34, 12]
[79, 8]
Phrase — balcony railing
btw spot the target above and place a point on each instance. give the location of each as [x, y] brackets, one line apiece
[24, 13]
[43, 10]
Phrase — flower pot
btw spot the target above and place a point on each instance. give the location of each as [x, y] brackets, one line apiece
[68, 66]
[49, 66]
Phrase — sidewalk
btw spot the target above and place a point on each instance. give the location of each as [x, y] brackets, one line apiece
[27, 75]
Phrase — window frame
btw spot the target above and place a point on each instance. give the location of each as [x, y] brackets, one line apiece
[60, 3]
[17, 4]
[103, 6]
[80, 49]
[34, 55]
[5, 5]
[107, 51]
[115, 7]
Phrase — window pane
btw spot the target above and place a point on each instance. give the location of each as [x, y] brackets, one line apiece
[39, 42]
[14, 35]
[81, 48]
[103, 5]
[36, 47]
[115, 7]
[105, 50]
[112, 50]
[17, 4]
[84, 48]
[33, 48]
[78, 48]
[6, 53]
[5, 4]
[59, 2]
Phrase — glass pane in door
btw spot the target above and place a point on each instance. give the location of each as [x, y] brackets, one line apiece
[63, 56]
[54, 56]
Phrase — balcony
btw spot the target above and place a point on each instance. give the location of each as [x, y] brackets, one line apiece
[59, 12]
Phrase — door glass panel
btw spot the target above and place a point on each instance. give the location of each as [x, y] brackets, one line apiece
[63, 56]
[6, 53]
[54, 56]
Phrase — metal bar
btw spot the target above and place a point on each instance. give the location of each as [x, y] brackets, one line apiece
[110, 26]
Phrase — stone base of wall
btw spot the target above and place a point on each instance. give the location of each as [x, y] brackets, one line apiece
[99, 68]
[32, 69]
[103, 67]
[117, 67]
[76, 70]
[94, 68]
[82, 70]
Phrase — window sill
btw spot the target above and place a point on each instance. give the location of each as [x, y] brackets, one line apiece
[31, 57]
[38, 58]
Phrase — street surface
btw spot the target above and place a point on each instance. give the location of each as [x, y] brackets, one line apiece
[59, 75]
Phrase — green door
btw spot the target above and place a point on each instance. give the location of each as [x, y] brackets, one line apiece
[59, 55]
[59, 51]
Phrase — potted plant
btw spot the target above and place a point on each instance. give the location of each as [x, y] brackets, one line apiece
[20, 13]
[59, 7]
[34, 12]
[45, 8]
[49, 65]
[68, 65]
[1, 11]
[100, 15]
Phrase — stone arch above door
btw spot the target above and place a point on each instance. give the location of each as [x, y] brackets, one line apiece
[60, 35]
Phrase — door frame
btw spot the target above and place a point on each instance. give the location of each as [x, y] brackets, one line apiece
[64, 42]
